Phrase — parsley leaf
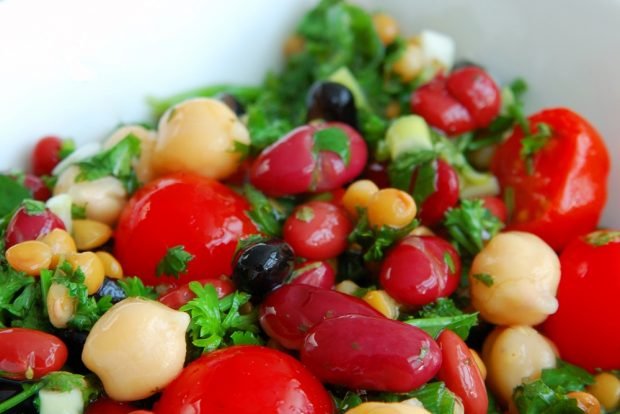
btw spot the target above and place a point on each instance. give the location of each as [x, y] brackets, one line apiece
[133, 287]
[441, 307]
[434, 396]
[116, 161]
[33, 207]
[333, 139]
[470, 225]
[174, 262]
[485, 278]
[78, 212]
[266, 213]
[401, 169]
[566, 377]
[21, 301]
[459, 324]
[66, 148]
[533, 143]
[535, 397]
[603, 237]
[12, 194]
[349, 400]
[217, 323]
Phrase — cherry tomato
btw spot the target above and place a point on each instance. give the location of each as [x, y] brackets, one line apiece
[107, 406]
[245, 380]
[560, 193]
[179, 296]
[319, 274]
[465, 100]
[30, 226]
[420, 269]
[35, 184]
[444, 192]
[496, 206]
[288, 312]
[318, 230]
[584, 328]
[30, 354]
[366, 352]
[198, 213]
[46, 155]
[306, 160]
[461, 374]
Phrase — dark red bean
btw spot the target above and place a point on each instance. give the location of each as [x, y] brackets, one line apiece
[445, 191]
[318, 274]
[29, 354]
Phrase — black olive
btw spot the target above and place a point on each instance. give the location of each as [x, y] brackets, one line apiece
[74, 340]
[262, 267]
[111, 288]
[232, 102]
[331, 101]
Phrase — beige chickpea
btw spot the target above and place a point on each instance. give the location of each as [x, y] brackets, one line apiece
[142, 165]
[30, 257]
[92, 267]
[386, 408]
[61, 243]
[103, 198]
[514, 280]
[136, 348]
[606, 389]
[513, 354]
[200, 135]
[60, 305]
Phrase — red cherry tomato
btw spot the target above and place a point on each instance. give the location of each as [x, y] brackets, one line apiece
[496, 206]
[461, 374]
[366, 352]
[318, 274]
[445, 192]
[107, 406]
[46, 155]
[420, 269]
[245, 380]
[465, 100]
[301, 162]
[288, 312]
[584, 328]
[198, 213]
[29, 354]
[179, 296]
[318, 230]
[563, 192]
[24, 226]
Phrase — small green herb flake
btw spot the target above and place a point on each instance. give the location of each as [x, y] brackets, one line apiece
[401, 170]
[603, 238]
[305, 214]
[78, 212]
[447, 258]
[484, 278]
[133, 287]
[470, 225]
[335, 140]
[33, 207]
[531, 144]
[242, 149]
[66, 148]
[174, 263]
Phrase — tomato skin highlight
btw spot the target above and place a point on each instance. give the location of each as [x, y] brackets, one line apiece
[245, 380]
[584, 328]
[30, 354]
[46, 155]
[24, 226]
[202, 215]
[477, 91]
[366, 352]
[565, 193]
[460, 373]
[180, 295]
[318, 230]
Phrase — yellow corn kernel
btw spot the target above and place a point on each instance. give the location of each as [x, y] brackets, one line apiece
[481, 367]
[29, 257]
[347, 286]
[358, 195]
[111, 267]
[61, 243]
[606, 389]
[391, 207]
[586, 402]
[382, 302]
[60, 305]
[89, 234]
[92, 267]
[386, 27]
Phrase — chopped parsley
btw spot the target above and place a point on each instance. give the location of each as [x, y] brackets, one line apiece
[447, 258]
[603, 238]
[78, 212]
[266, 213]
[484, 278]
[305, 214]
[471, 225]
[532, 143]
[133, 287]
[174, 263]
[13, 193]
[333, 139]
[33, 207]
[401, 170]
[66, 148]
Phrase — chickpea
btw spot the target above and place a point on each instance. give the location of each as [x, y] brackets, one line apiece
[391, 207]
[29, 257]
[586, 402]
[411, 63]
[92, 267]
[386, 27]
[111, 267]
[514, 280]
[136, 348]
[386, 408]
[89, 234]
[200, 135]
[142, 165]
[606, 389]
[358, 195]
[103, 198]
[61, 243]
[513, 354]
[60, 305]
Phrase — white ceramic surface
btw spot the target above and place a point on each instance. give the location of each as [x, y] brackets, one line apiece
[78, 68]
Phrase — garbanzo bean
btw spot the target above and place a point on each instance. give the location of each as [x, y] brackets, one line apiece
[29, 257]
[111, 267]
[136, 348]
[142, 166]
[386, 27]
[391, 207]
[606, 389]
[61, 243]
[60, 305]
[92, 267]
[358, 195]
[411, 62]
[89, 234]
[586, 401]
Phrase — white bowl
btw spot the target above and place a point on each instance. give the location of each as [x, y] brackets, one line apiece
[77, 68]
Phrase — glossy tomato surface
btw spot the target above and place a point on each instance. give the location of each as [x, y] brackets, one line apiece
[585, 326]
[245, 380]
[200, 214]
[29, 354]
[46, 155]
[30, 226]
[559, 193]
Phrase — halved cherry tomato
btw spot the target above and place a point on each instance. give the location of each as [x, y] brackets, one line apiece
[29, 226]
[46, 155]
[560, 191]
[198, 213]
[319, 274]
[461, 374]
[245, 380]
[585, 326]
[318, 230]
[310, 158]
[444, 191]
[180, 295]
[30, 354]
[107, 406]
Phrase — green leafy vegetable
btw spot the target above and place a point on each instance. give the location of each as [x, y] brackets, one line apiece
[460, 324]
[174, 263]
[603, 237]
[447, 258]
[116, 162]
[133, 287]
[66, 148]
[470, 225]
[266, 213]
[401, 170]
[535, 397]
[21, 302]
[434, 396]
[217, 323]
[441, 307]
[12, 195]
[532, 143]
[78, 212]
[334, 140]
[484, 278]
[566, 377]
[33, 207]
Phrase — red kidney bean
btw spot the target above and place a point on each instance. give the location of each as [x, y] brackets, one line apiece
[29, 354]
[365, 352]
[318, 274]
[445, 192]
[24, 226]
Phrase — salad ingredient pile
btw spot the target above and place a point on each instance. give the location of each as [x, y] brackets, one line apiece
[376, 228]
